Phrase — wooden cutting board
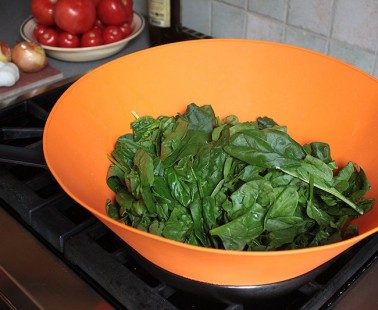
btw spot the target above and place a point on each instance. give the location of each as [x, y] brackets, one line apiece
[29, 81]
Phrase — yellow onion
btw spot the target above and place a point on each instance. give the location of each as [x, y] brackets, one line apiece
[5, 52]
[29, 56]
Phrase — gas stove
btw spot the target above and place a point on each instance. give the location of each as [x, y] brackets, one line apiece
[82, 255]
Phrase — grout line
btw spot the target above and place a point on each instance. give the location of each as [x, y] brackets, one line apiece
[329, 37]
[285, 22]
[287, 6]
[211, 17]
[375, 65]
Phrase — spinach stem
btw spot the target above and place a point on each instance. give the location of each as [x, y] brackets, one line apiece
[135, 114]
[111, 158]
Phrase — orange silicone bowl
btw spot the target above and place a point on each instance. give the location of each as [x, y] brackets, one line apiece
[317, 97]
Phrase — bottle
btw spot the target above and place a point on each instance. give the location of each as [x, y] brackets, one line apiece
[164, 21]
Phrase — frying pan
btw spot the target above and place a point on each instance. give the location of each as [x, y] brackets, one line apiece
[316, 96]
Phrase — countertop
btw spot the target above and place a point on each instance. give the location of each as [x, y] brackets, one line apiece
[14, 12]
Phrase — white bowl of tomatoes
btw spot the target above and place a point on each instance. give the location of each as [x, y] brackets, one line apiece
[82, 30]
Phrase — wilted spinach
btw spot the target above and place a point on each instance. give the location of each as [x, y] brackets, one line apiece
[232, 185]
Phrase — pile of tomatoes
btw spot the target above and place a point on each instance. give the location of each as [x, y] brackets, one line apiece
[81, 23]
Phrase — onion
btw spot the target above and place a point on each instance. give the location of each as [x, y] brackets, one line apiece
[5, 52]
[29, 56]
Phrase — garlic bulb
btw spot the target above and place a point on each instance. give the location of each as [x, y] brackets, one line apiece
[9, 74]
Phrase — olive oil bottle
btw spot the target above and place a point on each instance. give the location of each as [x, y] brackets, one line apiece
[164, 17]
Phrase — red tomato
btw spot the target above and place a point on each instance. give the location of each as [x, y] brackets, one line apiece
[43, 11]
[95, 2]
[38, 29]
[112, 33]
[68, 40]
[126, 29]
[130, 18]
[75, 16]
[91, 38]
[130, 11]
[48, 37]
[98, 30]
[99, 24]
[114, 12]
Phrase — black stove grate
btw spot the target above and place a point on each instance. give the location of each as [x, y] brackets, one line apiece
[31, 194]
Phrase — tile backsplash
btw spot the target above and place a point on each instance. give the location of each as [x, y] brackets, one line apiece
[344, 29]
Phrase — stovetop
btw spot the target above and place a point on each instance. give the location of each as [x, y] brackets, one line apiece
[101, 260]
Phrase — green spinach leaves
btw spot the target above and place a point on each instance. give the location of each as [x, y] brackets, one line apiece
[232, 185]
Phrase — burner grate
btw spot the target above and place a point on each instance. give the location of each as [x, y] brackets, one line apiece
[112, 265]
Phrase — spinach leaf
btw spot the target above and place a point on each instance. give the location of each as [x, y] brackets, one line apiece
[320, 150]
[172, 141]
[200, 118]
[237, 233]
[266, 122]
[115, 178]
[179, 225]
[313, 211]
[267, 148]
[144, 127]
[180, 189]
[232, 185]
[322, 174]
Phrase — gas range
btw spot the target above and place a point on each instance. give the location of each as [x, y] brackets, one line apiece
[95, 262]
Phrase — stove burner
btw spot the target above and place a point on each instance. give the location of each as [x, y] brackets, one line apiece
[21, 130]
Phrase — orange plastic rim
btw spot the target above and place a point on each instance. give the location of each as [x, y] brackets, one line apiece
[317, 97]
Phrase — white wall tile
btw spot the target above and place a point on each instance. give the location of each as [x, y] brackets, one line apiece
[263, 28]
[314, 15]
[196, 15]
[140, 6]
[239, 3]
[375, 72]
[357, 57]
[356, 22]
[272, 8]
[306, 39]
[345, 29]
[227, 21]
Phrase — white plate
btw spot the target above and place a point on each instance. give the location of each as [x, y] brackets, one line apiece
[83, 53]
